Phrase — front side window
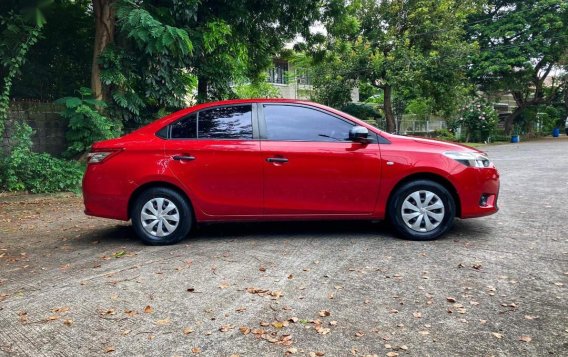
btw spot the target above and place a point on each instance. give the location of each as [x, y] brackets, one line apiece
[230, 122]
[294, 123]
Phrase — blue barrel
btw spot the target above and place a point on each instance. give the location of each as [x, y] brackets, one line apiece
[515, 138]
[555, 132]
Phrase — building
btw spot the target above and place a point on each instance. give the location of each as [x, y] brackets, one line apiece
[295, 83]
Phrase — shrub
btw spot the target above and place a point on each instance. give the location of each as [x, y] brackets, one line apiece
[479, 119]
[25, 170]
[86, 124]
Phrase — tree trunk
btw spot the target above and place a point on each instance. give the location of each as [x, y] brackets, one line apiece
[104, 35]
[389, 115]
[510, 119]
[202, 87]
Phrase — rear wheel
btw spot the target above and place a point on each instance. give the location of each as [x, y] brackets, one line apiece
[161, 216]
[422, 210]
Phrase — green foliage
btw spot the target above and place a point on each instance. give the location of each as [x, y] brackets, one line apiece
[520, 42]
[86, 124]
[25, 170]
[366, 112]
[60, 61]
[445, 134]
[407, 49]
[17, 36]
[479, 119]
[256, 90]
[421, 107]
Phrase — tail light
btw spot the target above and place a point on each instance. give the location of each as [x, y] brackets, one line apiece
[97, 157]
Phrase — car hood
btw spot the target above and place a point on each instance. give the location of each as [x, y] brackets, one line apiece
[435, 145]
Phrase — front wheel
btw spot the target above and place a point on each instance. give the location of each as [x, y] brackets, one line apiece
[422, 210]
[161, 216]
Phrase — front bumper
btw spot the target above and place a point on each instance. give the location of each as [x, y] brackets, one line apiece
[478, 190]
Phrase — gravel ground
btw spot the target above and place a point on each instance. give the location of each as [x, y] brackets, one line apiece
[72, 285]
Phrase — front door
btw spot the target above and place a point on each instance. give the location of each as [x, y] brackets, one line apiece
[310, 166]
[217, 158]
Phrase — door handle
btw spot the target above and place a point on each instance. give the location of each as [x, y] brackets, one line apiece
[183, 157]
[277, 159]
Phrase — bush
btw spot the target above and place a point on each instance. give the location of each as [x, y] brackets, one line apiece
[25, 170]
[444, 134]
[86, 124]
[479, 119]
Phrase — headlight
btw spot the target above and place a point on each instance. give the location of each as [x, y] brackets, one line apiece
[471, 159]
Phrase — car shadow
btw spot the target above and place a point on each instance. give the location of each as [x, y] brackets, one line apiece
[124, 234]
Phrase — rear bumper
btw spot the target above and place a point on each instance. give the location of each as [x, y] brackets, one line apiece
[104, 197]
[478, 189]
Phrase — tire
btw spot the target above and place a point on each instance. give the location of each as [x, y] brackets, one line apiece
[161, 216]
[422, 210]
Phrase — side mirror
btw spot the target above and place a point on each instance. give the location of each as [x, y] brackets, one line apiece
[359, 134]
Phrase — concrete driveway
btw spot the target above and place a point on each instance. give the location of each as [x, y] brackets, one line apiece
[496, 286]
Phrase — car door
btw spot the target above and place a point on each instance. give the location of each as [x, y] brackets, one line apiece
[311, 167]
[215, 153]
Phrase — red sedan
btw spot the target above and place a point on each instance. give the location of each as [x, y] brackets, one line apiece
[263, 160]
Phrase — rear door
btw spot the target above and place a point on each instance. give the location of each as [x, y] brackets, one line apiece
[215, 153]
[311, 167]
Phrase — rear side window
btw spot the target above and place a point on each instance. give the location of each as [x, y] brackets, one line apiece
[230, 122]
[185, 128]
[294, 123]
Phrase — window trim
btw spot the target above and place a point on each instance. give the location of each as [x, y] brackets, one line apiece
[263, 126]
[254, 122]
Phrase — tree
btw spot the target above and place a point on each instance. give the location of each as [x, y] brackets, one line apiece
[520, 44]
[411, 48]
[104, 13]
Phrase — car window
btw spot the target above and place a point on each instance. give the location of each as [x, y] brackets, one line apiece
[230, 122]
[185, 128]
[295, 123]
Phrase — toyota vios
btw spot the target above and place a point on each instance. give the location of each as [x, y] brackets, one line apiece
[268, 160]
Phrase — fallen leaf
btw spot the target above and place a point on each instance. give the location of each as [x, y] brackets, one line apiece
[109, 349]
[187, 330]
[148, 309]
[293, 319]
[292, 350]
[451, 299]
[163, 322]
[262, 269]
[60, 309]
[496, 334]
[53, 317]
[68, 322]
[226, 328]
[392, 354]
[277, 324]
[525, 339]
[417, 314]
[196, 350]
[223, 285]
[244, 330]
[530, 317]
[359, 334]
[324, 313]
[333, 323]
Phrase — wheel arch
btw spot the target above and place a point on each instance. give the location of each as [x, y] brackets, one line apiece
[431, 177]
[155, 184]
